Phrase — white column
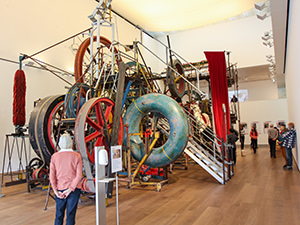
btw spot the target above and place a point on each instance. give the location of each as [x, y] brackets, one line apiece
[293, 71]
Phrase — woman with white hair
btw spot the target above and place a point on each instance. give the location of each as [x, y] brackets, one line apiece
[65, 176]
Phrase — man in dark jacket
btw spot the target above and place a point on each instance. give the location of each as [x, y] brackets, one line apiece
[232, 137]
[272, 136]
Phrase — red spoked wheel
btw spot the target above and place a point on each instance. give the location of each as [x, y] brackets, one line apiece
[89, 126]
[83, 56]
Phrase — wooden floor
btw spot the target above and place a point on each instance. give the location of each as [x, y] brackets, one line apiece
[261, 192]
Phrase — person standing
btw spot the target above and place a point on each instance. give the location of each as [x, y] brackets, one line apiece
[289, 141]
[283, 131]
[272, 136]
[232, 137]
[234, 99]
[65, 176]
[254, 136]
[242, 138]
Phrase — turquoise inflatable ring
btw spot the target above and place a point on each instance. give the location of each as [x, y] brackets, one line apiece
[179, 129]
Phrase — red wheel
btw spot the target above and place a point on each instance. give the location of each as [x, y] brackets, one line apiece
[176, 83]
[89, 126]
[39, 173]
[83, 56]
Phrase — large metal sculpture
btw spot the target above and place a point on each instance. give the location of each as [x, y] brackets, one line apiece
[88, 112]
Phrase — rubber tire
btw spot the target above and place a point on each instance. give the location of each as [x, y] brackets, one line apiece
[176, 92]
[179, 129]
[38, 126]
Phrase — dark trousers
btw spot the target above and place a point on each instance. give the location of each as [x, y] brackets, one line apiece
[254, 144]
[232, 154]
[70, 203]
[242, 140]
[272, 147]
[289, 157]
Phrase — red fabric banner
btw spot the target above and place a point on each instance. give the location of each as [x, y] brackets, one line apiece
[219, 90]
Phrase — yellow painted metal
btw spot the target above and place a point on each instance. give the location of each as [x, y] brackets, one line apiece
[178, 78]
[144, 75]
[156, 136]
[136, 134]
[131, 179]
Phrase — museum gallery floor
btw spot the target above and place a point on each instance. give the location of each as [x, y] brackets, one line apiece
[260, 193]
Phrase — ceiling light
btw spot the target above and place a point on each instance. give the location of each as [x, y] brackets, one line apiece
[269, 56]
[272, 70]
[261, 15]
[269, 44]
[273, 78]
[260, 5]
[267, 35]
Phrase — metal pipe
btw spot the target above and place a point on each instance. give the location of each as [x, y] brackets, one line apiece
[60, 42]
[225, 136]
[100, 189]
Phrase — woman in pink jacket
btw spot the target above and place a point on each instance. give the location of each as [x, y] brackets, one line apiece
[254, 136]
[65, 176]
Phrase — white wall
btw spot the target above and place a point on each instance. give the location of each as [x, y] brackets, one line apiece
[260, 90]
[32, 25]
[292, 69]
[242, 37]
[39, 84]
[261, 111]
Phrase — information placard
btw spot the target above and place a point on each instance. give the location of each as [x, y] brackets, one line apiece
[116, 158]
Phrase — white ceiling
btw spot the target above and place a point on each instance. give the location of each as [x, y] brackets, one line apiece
[173, 15]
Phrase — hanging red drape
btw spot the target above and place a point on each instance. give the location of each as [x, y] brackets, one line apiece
[219, 90]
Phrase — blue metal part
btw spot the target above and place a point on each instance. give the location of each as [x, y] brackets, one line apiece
[21, 58]
[195, 94]
[179, 130]
[72, 99]
[126, 93]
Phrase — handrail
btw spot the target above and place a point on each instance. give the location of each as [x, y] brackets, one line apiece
[163, 125]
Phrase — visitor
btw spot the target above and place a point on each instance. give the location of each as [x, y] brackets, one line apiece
[65, 176]
[232, 137]
[234, 99]
[242, 138]
[283, 131]
[254, 136]
[272, 136]
[289, 141]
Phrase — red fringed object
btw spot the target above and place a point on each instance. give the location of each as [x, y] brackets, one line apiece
[219, 90]
[19, 98]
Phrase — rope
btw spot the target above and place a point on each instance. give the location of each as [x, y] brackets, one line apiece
[166, 153]
[137, 107]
